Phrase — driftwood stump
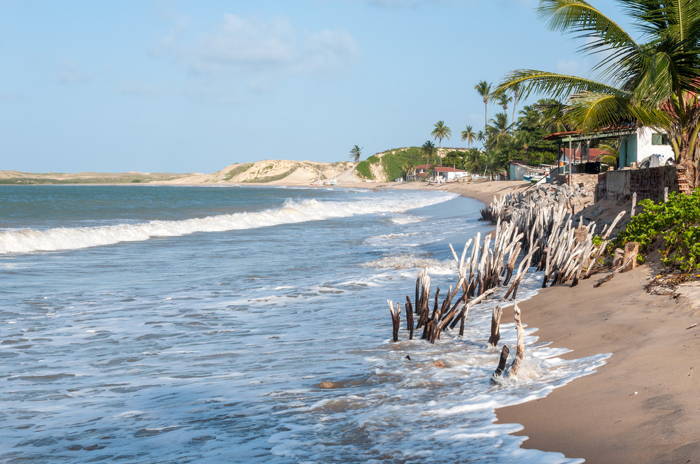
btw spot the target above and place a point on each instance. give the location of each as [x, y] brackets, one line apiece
[520, 350]
[495, 326]
[630, 257]
[395, 319]
[498, 373]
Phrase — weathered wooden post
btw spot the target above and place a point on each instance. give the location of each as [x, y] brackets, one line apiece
[634, 204]
[520, 350]
[630, 256]
[395, 319]
[501, 364]
[409, 317]
[495, 326]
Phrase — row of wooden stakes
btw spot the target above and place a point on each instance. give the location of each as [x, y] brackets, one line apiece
[528, 235]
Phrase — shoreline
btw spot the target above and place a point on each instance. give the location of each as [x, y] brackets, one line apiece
[642, 405]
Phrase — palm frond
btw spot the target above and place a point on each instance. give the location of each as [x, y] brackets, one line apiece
[586, 21]
[554, 85]
[592, 110]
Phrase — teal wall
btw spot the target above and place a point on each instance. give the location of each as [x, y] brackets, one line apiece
[628, 150]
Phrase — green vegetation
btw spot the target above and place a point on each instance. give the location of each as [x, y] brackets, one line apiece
[653, 83]
[363, 170]
[673, 227]
[264, 179]
[241, 168]
[398, 162]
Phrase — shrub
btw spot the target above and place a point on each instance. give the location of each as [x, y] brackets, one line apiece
[237, 170]
[397, 162]
[264, 179]
[363, 169]
[676, 223]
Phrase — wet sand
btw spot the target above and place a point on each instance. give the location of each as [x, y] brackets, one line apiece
[643, 406]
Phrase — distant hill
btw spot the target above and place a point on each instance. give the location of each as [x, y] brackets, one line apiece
[18, 177]
[276, 172]
[380, 167]
[388, 165]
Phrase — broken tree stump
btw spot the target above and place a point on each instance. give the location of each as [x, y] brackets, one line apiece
[409, 318]
[495, 326]
[520, 350]
[498, 373]
[630, 256]
[395, 319]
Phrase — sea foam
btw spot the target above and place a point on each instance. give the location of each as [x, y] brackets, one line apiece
[31, 240]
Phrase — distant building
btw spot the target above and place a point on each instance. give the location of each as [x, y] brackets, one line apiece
[449, 174]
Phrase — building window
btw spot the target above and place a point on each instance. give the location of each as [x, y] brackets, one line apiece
[660, 139]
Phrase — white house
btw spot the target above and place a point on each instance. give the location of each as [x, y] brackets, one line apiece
[645, 145]
[449, 174]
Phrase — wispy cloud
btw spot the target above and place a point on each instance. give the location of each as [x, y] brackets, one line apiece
[259, 46]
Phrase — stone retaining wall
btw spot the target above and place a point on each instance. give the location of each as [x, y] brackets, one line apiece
[648, 183]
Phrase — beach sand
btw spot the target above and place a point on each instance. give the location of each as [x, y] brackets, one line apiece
[643, 406]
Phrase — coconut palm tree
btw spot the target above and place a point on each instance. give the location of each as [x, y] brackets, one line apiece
[503, 100]
[653, 83]
[483, 88]
[428, 149]
[517, 91]
[468, 135]
[441, 131]
[355, 153]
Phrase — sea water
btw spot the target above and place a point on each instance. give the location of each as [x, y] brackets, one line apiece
[147, 324]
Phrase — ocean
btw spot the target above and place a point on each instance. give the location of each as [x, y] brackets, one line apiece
[145, 324]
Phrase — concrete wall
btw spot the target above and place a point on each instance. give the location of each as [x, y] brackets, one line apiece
[648, 183]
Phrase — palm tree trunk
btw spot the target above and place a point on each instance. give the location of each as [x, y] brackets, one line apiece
[486, 105]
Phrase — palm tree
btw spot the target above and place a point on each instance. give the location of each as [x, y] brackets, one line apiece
[499, 126]
[483, 88]
[441, 131]
[468, 136]
[355, 153]
[554, 115]
[428, 150]
[503, 100]
[517, 91]
[655, 83]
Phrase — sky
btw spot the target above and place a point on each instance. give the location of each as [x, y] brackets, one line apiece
[195, 85]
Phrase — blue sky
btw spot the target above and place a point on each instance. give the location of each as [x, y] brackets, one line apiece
[191, 86]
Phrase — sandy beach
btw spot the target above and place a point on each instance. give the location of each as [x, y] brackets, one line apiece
[642, 406]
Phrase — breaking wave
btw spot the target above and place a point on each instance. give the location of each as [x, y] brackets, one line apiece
[31, 240]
